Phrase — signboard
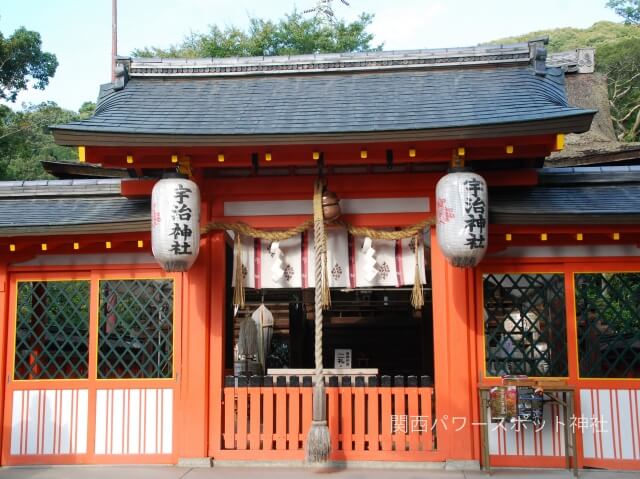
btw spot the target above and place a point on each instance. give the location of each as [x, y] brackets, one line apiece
[342, 359]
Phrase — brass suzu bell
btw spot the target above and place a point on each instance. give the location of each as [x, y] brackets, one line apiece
[330, 206]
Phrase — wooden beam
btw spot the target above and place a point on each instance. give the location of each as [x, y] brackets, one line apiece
[436, 150]
[137, 188]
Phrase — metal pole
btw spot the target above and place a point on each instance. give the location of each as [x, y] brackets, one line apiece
[114, 38]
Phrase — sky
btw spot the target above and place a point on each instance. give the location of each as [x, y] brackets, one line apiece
[79, 31]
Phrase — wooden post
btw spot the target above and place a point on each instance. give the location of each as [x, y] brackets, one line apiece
[217, 292]
[386, 413]
[267, 418]
[243, 414]
[426, 408]
[455, 366]
[333, 419]
[193, 416]
[295, 428]
[413, 411]
[229, 417]
[255, 416]
[359, 411]
[4, 322]
[346, 417]
[373, 411]
[400, 411]
[281, 417]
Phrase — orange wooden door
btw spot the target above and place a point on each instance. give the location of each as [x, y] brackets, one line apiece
[92, 361]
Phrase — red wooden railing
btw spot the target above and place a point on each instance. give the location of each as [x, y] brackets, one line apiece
[363, 421]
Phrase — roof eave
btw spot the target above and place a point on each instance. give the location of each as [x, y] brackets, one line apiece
[530, 218]
[133, 226]
[73, 135]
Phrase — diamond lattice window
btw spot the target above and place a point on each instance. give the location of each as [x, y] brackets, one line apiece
[135, 338]
[52, 330]
[608, 316]
[525, 324]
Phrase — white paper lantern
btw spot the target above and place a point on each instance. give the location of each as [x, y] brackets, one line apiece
[462, 211]
[175, 223]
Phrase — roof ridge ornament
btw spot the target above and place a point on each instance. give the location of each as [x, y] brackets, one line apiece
[121, 75]
[538, 55]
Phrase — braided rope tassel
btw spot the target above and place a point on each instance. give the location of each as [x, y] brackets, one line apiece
[417, 294]
[318, 445]
[238, 290]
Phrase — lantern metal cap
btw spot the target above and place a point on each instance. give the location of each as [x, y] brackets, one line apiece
[173, 174]
[460, 169]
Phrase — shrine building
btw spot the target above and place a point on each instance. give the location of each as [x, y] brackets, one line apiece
[125, 343]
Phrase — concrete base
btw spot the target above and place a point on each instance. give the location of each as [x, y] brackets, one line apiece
[291, 472]
[450, 465]
[459, 465]
[339, 465]
[261, 464]
[195, 462]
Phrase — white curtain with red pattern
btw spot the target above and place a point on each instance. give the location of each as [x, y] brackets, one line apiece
[346, 259]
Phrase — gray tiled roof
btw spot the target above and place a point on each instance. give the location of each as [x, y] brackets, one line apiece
[594, 203]
[76, 210]
[71, 211]
[331, 103]
[589, 174]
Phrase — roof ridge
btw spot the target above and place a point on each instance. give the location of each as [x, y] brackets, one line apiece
[329, 62]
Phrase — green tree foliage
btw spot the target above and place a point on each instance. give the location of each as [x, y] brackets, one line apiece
[617, 54]
[627, 9]
[621, 62]
[21, 59]
[294, 34]
[563, 39]
[614, 296]
[25, 139]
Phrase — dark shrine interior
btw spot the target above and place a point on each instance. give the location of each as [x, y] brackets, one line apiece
[378, 325]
